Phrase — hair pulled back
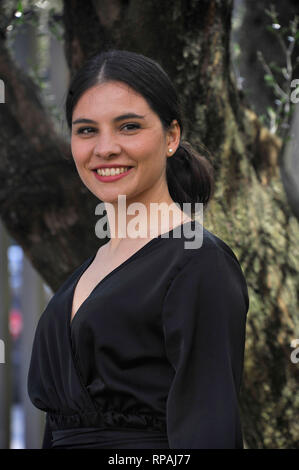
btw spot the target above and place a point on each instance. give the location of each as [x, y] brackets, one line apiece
[189, 175]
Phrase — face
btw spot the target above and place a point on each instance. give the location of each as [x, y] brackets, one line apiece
[113, 126]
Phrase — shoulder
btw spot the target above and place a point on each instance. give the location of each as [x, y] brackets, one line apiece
[192, 242]
[207, 261]
[209, 279]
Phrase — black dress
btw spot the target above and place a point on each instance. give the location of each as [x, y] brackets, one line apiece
[153, 357]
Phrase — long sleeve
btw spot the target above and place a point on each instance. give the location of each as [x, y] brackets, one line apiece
[47, 439]
[204, 319]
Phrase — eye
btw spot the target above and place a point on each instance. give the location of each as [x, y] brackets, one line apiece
[131, 126]
[85, 130]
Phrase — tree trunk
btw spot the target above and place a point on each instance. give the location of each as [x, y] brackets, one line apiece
[42, 204]
[252, 36]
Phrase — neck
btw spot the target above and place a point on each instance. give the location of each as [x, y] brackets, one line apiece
[142, 220]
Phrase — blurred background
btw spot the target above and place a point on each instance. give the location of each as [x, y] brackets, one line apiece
[34, 40]
[256, 43]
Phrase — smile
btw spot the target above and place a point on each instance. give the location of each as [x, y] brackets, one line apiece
[111, 174]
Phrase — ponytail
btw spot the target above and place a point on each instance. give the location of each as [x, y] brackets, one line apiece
[190, 176]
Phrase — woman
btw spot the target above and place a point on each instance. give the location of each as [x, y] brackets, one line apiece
[142, 346]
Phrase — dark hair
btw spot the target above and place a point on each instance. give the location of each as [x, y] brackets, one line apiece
[189, 175]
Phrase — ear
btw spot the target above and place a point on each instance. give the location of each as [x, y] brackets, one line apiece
[173, 138]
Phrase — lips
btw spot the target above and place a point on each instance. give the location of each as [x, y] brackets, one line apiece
[112, 166]
[112, 171]
[121, 173]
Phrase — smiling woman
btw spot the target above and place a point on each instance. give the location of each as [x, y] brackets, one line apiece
[142, 346]
[123, 132]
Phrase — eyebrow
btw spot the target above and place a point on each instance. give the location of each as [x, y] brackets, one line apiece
[118, 118]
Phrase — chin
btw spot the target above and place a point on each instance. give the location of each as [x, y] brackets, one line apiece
[111, 198]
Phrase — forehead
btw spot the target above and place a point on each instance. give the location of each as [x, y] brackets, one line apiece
[110, 98]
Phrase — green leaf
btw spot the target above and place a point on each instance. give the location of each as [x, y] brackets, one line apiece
[275, 67]
[269, 28]
[268, 78]
[20, 7]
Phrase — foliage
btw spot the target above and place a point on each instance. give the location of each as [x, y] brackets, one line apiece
[45, 19]
[29, 11]
[281, 79]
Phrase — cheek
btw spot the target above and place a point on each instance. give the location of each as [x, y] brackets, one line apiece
[79, 150]
[147, 150]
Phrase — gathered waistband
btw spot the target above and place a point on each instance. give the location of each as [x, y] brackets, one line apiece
[114, 438]
[108, 419]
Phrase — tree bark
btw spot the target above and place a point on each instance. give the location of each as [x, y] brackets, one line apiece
[253, 36]
[46, 208]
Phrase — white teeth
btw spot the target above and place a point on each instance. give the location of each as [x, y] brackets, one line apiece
[112, 171]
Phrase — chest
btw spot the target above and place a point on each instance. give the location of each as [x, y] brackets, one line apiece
[123, 309]
[95, 273]
[102, 266]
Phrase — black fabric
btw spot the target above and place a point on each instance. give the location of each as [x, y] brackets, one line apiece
[101, 438]
[47, 439]
[158, 346]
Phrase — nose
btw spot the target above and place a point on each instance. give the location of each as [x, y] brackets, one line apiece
[106, 145]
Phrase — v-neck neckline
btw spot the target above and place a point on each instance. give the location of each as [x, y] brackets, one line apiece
[117, 268]
[120, 266]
